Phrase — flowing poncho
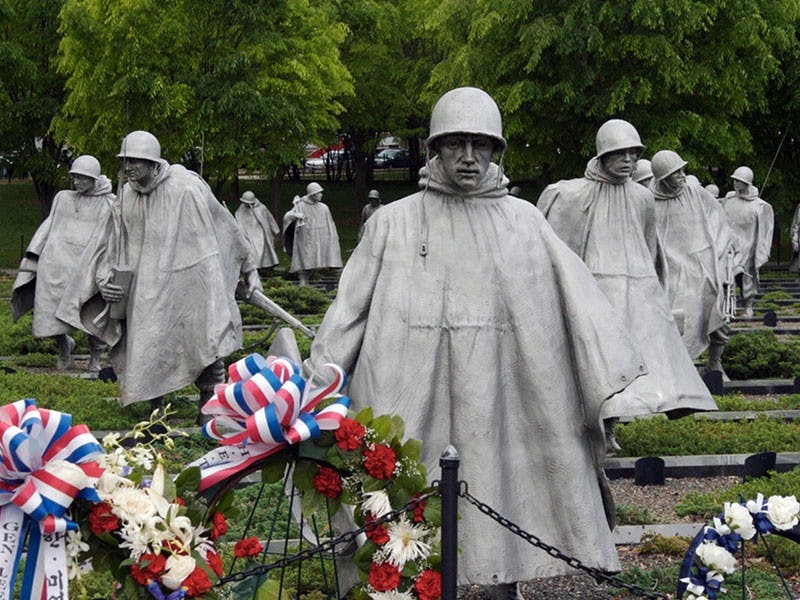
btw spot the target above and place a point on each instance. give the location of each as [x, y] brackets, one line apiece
[186, 252]
[751, 220]
[60, 244]
[610, 224]
[260, 229]
[693, 238]
[315, 241]
[469, 318]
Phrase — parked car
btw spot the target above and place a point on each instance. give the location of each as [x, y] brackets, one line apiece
[391, 157]
[317, 165]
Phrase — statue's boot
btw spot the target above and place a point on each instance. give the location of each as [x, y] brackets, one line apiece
[715, 350]
[748, 310]
[96, 349]
[211, 376]
[612, 446]
[65, 345]
[304, 277]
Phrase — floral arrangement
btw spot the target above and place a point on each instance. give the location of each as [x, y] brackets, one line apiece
[269, 416]
[149, 532]
[712, 554]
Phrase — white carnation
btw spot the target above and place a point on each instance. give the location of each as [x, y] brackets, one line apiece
[783, 511]
[132, 504]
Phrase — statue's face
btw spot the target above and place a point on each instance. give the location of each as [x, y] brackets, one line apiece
[620, 163]
[140, 170]
[82, 183]
[315, 197]
[465, 158]
[676, 180]
[740, 186]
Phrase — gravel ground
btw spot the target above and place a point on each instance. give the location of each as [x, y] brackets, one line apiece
[659, 501]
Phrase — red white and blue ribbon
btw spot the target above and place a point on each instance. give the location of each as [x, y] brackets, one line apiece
[45, 463]
[262, 411]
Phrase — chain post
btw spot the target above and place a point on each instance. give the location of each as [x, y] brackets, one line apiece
[448, 488]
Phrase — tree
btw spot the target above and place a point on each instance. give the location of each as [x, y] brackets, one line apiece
[690, 75]
[240, 84]
[31, 93]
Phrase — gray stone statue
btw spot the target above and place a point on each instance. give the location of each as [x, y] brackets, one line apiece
[260, 229]
[184, 253]
[695, 244]
[310, 236]
[643, 172]
[461, 311]
[374, 197]
[752, 221]
[609, 221]
[56, 254]
[794, 238]
[713, 189]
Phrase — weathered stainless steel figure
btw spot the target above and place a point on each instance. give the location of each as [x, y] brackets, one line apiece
[752, 221]
[310, 236]
[713, 189]
[260, 229]
[463, 312]
[643, 172]
[185, 252]
[694, 243]
[369, 209]
[794, 237]
[609, 221]
[56, 254]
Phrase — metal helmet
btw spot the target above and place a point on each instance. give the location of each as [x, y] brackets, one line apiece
[665, 163]
[466, 110]
[374, 194]
[140, 144]
[87, 165]
[617, 134]
[713, 189]
[248, 197]
[643, 170]
[743, 174]
[313, 188]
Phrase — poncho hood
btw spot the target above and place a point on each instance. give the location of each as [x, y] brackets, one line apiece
[102, 186]
[663, 191]
[493, 185]
[159, 175]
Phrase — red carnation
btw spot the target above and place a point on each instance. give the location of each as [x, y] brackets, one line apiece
[219, 525]
[419, 510]
[376, 532]
[428, 585]
[379, 461]
[179, 501]
[197, 583]
[214, 561]
[249, 546]
[384, 577]
[149, 568]
[102, 519]
[328, 482]
[349, 435]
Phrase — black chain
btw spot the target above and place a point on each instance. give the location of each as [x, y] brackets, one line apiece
[330, 545]
[597, 574]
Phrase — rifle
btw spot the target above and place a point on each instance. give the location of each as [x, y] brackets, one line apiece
[260, 300]
[729, 305]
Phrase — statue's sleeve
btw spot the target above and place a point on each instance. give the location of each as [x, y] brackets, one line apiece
[650, 232]
[766, 224]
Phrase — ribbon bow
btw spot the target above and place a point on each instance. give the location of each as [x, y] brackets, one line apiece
[45, 463]
[266, 406]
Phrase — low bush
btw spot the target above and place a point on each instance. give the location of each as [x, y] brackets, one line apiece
[760, 354]
[737, 402]
[628, 514]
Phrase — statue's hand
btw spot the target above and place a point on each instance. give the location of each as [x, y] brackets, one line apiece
[253, 283]
[111, 292]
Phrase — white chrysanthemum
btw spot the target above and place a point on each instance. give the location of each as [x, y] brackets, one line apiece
[137, 539]
[132, 504]
[783, 511]
[406, 542]
[716, 557]
[391, 595]
[377, 503]
[738, 518]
